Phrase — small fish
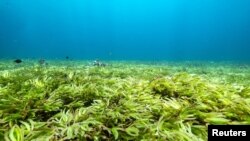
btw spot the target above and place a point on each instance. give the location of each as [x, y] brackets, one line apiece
[67, 57]
[18, 61]
[97, 63]
[41, 61]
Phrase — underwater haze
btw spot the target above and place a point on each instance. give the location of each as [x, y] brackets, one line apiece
[137, 70]
[125, 29]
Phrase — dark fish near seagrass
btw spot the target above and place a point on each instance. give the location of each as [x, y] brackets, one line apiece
[18, 61]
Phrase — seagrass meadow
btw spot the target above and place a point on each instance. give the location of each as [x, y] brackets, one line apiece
[147, 101]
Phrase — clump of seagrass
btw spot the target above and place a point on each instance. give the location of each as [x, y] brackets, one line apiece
[164, 87]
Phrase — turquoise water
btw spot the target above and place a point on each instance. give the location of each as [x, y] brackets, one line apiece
[125, 29]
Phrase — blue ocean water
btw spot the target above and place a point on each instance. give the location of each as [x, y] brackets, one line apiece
[125, 29]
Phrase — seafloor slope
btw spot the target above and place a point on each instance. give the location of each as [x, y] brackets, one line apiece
[72, 100]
